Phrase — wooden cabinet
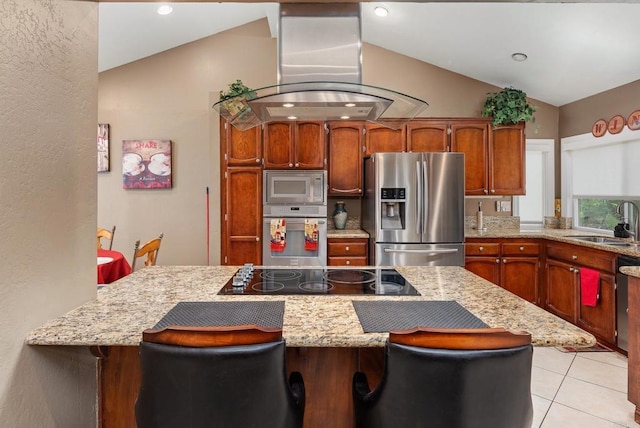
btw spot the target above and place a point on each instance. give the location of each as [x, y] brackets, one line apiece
[513, 265]
[507, 160]
[240, 148]
[347, 251]
[295, 145]
[634, 346]
[472, 139]
[345, 158]
[242, 216]
[563, 288]
[427, 135]
[240, 195]
[378, 138]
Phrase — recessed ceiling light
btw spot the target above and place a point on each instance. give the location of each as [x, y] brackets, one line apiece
[345, 117]
[287, 105]
[381, 11]
[350, 105]
[292, 117]
[165, 9]
[519, 56]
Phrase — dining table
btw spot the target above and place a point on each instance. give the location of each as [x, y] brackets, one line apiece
[112, 265]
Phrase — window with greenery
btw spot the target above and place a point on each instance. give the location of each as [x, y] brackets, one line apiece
[597, 213]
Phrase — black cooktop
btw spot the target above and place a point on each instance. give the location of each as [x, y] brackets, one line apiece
[377, 281]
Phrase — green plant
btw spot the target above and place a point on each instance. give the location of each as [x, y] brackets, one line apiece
[235, 89]
[508, 106]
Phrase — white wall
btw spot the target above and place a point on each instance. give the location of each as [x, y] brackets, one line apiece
[48, 116]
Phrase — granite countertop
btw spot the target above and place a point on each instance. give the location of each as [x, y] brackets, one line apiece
[559, 235]
[631, 271]
[123, 309]
[347, 233]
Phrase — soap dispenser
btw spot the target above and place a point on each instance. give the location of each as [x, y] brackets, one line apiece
[479, 219]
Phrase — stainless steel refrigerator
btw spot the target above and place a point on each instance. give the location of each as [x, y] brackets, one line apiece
[413, 209]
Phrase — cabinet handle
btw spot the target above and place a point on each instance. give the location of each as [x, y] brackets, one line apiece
[333, 189]
[257, 238]
[574, 257]
[258, 160]
[348, 262]
[297, 164]
[504, 260]
[570, 269]
[493, 190]
[480, 248]
[521, 248]
[497, 260]
[346, 248]
[485, 191]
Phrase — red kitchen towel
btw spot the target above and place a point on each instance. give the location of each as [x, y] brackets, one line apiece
[589, 286]
[278, 229]
[310, 234]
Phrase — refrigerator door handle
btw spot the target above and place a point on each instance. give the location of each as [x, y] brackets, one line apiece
[447, 251]
[425, 196]
[419, 202]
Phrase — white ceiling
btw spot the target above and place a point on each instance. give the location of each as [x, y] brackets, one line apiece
[575, 49]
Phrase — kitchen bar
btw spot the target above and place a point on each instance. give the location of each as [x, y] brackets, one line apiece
[324, 337]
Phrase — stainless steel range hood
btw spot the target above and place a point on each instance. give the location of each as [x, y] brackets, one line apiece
[319, 74]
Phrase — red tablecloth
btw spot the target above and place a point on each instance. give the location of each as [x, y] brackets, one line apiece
[112, 270]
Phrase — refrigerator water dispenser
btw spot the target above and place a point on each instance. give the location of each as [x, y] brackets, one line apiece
[392, 208]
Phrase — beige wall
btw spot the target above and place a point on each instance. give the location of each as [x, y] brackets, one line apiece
[48, 115]
[169, 95]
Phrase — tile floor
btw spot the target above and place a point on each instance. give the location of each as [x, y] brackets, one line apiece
[580, 389]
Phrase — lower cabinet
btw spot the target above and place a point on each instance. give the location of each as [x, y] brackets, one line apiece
[347, 251]
[513, 265]
[563, 288]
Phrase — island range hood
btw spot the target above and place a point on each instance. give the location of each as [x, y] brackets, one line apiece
[319, 74]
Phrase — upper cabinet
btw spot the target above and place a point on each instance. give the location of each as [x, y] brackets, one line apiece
[472, 138]
[427, 135]
[240, 148]
[378, 138]
[507, 160]
[345, 158]
[295, 145]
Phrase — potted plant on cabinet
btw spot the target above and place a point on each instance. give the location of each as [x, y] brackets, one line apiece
[508, 107]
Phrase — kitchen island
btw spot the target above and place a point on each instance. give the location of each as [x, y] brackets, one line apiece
[324, 337]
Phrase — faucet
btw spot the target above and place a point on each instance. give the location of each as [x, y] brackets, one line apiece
[636, 225]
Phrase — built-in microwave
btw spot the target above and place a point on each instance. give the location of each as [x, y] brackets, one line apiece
[294, 187]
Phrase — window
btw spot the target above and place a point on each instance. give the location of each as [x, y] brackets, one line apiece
[598, 174]
[538, 202]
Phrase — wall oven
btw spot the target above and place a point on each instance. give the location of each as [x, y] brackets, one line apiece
[294, 226]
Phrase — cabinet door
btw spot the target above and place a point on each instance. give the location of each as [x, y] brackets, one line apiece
[600, 320]
[485, 267]
[379, 138]
[278, 145]
[310, 145]
[427, 136]
[507, 160]
[242, 234]
[472, 139]
[520, 275]
[345, 158]
[240, 148]
[561, 290]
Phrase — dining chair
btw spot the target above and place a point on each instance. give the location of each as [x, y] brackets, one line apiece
[233, 376]
[449, 378]
[150, 250]
[106, 234]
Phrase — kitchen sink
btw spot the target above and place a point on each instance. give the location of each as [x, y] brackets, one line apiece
[602, 240]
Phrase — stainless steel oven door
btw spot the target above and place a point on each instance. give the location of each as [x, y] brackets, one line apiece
[295, 253]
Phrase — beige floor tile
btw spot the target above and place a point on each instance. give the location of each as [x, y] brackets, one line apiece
[540, 409]
[595, 400]
[560, 416]
[545, 383]
[602, 374]
[613, 358]
[551, 359]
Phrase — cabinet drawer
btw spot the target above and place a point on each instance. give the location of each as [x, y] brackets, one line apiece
[347, 261]
[482, 249]
[575, 254]
[520, 249]
[347, 247]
